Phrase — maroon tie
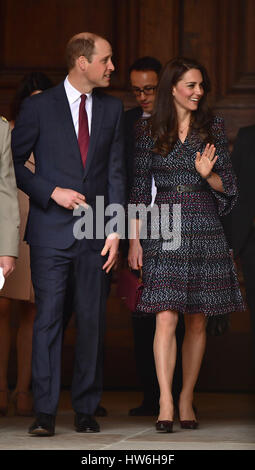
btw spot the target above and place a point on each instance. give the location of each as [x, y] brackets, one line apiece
[83, 133]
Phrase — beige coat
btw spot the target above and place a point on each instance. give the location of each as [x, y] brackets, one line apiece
[19, 285]
[9, 208]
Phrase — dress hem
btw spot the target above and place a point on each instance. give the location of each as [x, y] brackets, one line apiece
[152, 311]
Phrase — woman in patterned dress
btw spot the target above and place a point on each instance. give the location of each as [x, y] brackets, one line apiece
[185, 148]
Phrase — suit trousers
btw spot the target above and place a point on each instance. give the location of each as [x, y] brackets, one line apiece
[51, 269]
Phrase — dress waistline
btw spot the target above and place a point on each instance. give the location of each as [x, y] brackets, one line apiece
[183, 188]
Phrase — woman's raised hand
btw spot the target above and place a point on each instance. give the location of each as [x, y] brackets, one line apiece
[204, 163]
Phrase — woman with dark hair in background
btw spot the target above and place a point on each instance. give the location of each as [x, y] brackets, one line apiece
[185, 148]
[31, 84]
[19, 286]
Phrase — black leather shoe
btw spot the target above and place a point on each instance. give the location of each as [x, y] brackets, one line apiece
[85, 423]
[44, 425]
[100, 411]
[144, 410]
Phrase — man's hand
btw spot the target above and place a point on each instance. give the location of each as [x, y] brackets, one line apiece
[111, 245]
[8, 265]
[68, 198]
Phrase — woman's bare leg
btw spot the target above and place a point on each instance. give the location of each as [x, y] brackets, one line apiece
[165, 358]
[192, 354]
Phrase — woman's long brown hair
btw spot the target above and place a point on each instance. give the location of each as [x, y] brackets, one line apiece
[164, 123]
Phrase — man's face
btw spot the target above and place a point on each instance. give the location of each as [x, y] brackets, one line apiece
[98, 71]
[146, 79]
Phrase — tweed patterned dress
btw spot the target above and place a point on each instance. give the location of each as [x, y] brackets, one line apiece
[196, 275]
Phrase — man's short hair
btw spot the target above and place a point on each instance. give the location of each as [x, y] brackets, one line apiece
[146, 63]
[77, 47]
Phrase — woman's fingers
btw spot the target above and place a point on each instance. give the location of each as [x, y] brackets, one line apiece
[209, 151]
[206, 151]
[132, 262]
[212, 150]
[140, 260]
[135, 258]
[214, 159]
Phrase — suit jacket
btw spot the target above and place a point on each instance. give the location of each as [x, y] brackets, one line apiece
[239, 223]
[9, 207]
[45, 126]
[130, 118]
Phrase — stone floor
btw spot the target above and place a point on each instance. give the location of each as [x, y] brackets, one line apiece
[227, 422]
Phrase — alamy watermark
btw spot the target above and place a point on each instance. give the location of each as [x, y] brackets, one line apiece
[91, 222]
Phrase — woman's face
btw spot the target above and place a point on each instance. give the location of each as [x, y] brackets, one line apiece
[188, 91]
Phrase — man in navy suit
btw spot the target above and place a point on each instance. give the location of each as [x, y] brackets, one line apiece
[75, 133]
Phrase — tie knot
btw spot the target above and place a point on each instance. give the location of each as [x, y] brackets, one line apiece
[83, 98]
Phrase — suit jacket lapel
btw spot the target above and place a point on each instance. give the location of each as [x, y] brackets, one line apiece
[65, 118]
[97, 115]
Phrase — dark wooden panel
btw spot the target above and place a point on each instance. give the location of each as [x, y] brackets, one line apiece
[37, 31]
[238, 25]
[223, 42]
[42, 28]
[236, 65]
[34, 34]
[124, 41]
[198, 37]
[159, 29]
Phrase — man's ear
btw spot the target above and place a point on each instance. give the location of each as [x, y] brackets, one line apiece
[82, 62]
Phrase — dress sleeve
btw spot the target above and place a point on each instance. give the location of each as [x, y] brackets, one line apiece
[223, 167]
[140, 192]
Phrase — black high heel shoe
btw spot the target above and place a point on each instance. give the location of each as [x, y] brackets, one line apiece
[164, 426]
[189, 424]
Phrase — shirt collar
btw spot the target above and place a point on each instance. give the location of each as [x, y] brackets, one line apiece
[146, 115]
[72, 93]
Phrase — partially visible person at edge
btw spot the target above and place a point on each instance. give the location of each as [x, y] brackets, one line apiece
[144, 76]
[19, 286]
[76, 135]
[239, 225]
[9, 208]
[189, 271]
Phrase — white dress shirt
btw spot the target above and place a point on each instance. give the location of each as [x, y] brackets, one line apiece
[153, 186]
[74, 99]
